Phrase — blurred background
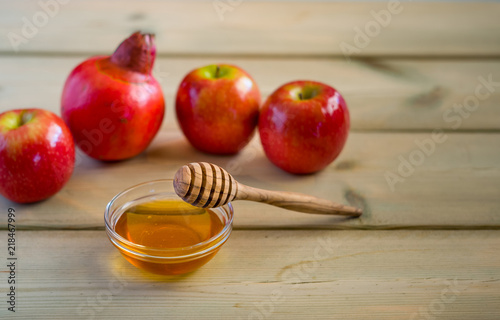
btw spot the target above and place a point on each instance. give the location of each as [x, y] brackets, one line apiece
[399, 64]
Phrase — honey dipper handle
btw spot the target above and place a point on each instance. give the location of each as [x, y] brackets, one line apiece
[295, 201]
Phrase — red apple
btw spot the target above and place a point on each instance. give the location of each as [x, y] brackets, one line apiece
[112, 104]
[37, 154]
[303, 126]
[217, 108]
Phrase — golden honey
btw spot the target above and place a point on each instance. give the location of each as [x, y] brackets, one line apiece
[169, 224]
[158, 232]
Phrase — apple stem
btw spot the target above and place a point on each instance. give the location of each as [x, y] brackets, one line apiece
[25, 118]
[217, 69]
[300, 96]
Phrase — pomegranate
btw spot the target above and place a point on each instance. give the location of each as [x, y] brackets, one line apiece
[112, 104]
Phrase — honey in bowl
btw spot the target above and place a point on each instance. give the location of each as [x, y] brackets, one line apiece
[168, 224]
[162, 234]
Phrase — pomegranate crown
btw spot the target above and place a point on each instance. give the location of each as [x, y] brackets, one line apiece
[136, 53]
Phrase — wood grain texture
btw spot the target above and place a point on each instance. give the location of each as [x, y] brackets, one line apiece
[279, 274]
[457, 186]
[258, 27]
[381, 94]
[411, 78]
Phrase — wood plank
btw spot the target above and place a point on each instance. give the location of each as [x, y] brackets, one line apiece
[456, 186]
[257, 27]
[267, 274]
[381, 94]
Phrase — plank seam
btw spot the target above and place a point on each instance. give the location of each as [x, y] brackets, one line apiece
[295, 228]
[360, 58]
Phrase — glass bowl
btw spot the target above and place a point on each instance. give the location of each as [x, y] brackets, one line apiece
[158, 232]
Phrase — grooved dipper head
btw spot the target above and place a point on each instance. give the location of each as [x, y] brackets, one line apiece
[205, 185]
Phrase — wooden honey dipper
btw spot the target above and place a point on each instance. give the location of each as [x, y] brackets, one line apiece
[207, 185]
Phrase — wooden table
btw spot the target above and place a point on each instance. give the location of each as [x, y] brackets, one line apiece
[427, 247]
